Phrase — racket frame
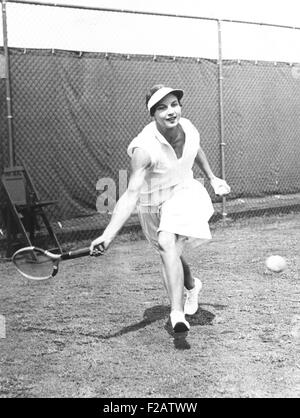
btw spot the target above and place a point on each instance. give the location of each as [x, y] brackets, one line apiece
[56, 258]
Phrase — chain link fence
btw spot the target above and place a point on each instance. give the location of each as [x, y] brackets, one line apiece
[75, 112]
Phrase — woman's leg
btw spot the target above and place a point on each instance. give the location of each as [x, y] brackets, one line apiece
[170, 249]
[193, 286]
[189, 281]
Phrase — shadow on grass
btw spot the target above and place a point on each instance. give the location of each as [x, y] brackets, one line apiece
[157, 313]
[201, 317]
[151, 315]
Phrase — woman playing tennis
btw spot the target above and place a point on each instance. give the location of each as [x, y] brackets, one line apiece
[173, 207]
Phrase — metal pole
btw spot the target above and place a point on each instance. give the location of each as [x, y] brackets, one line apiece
[8, 93]
[221, 109]
[105, 9]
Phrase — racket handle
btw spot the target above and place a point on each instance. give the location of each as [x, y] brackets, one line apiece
[79, 253]
[75, 253]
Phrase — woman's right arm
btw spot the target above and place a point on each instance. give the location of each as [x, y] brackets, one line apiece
[140, 163]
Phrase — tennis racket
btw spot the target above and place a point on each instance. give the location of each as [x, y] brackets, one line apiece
[37, 264]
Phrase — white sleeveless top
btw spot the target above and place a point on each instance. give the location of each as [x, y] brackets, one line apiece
[167, 170]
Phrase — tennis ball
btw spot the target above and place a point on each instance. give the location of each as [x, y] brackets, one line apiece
[276, 263]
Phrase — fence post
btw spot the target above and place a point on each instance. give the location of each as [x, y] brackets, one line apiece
[8, 93]
[221, 110]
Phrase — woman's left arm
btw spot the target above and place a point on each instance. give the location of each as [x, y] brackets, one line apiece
[219, 185]
[203, 164]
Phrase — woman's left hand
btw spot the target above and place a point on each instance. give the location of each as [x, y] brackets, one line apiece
[220, 186]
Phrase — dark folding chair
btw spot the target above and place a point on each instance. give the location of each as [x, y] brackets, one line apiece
[24, 208]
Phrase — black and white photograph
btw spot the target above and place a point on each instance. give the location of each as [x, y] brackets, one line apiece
[149, 202]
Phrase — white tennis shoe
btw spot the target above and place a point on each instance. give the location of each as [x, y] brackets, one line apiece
[191, 302]
[178, 322]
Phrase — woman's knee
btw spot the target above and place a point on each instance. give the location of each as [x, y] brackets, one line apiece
[166, 242]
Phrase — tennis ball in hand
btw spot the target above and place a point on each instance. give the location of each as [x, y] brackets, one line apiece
[276, 263]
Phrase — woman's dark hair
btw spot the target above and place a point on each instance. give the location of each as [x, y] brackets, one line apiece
[150, 93]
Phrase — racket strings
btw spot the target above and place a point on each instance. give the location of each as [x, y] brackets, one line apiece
[34, 264]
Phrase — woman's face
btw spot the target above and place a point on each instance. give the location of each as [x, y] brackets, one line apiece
[167, 113]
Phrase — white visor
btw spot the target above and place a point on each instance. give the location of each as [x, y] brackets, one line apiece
[161, 93]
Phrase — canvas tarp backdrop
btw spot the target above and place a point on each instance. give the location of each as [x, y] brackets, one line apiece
[75, 114]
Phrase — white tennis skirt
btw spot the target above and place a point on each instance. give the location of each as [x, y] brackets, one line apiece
[185, 213]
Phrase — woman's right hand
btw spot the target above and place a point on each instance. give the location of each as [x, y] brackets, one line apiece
[98, 246]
